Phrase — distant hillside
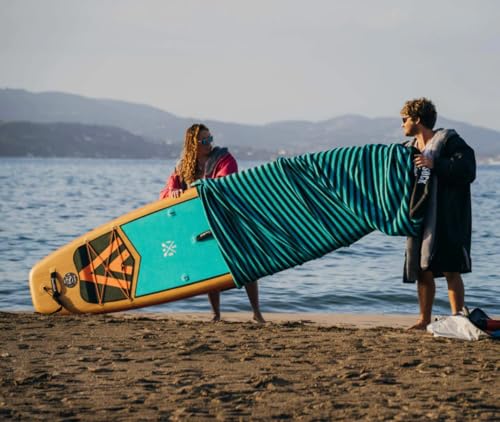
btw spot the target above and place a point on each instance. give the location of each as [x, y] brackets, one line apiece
[28, 139]
[48, 107]
[250, 141]
[76, 140]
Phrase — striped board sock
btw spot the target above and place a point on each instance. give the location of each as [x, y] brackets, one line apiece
[281, 214]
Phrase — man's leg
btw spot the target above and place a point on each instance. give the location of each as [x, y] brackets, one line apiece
[214, 299]
[456, 291]
[426, 288]
[253, 296]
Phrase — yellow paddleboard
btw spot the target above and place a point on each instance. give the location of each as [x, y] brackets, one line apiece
[159, 253]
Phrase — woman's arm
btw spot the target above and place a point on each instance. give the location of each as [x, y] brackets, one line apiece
[173, 187]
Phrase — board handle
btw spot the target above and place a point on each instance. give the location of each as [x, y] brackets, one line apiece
[54, 291]
[207, 234]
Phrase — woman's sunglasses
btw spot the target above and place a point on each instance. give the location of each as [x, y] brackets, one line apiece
[206, 141]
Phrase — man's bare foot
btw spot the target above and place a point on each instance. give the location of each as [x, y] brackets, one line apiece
[258, 318]
[420, 325]
[216, 318]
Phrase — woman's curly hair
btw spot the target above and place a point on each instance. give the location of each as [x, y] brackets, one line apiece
[188, 164]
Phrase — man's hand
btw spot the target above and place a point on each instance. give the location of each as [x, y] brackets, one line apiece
[421, 161]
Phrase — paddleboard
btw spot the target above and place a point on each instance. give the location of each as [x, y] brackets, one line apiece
[156, 254]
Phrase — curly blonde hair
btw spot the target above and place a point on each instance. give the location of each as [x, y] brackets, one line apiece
[187, 167]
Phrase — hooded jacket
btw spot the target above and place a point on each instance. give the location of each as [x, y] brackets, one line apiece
[455, 169]
[220, 163]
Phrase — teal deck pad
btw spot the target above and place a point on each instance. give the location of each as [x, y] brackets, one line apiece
[171, 256]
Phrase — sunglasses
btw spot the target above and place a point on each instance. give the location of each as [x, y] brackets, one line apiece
[404, 119]
[206, 141]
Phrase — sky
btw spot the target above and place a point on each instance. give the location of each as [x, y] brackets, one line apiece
[260, 61]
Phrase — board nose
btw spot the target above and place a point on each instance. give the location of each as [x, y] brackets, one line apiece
[45, 283]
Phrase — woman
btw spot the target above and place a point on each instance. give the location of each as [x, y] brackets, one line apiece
[199, 160]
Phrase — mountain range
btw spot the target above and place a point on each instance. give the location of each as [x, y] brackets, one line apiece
[60, 124]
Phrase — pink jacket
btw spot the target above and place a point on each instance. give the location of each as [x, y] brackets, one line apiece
[225, 165]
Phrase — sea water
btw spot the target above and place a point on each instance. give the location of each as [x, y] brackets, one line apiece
[46, 203]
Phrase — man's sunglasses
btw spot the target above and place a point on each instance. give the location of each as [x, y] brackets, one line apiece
[206, 141]
[404, 119]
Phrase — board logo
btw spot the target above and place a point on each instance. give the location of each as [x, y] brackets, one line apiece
[105, 269]
[70, 280]
[169, 248]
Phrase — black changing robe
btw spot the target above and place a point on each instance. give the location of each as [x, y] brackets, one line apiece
[456, 170]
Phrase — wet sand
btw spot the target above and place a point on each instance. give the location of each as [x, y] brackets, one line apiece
[181, 367]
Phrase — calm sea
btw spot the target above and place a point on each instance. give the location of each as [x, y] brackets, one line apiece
[46, 203]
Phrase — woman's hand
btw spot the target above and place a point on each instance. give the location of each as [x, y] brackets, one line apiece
[421, 161]
[176, 193]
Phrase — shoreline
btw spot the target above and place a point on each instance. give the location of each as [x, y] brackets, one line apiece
[322, 319]
[326, 319]
[179, 366]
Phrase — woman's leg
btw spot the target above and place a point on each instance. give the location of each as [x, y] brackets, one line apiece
[253, 296]
[214, 299]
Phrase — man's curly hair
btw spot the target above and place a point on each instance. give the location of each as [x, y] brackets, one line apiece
[421, 108]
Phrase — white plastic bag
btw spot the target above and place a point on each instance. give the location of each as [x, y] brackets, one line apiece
[456, 326]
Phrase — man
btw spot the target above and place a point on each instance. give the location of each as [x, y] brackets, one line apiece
[443, 247]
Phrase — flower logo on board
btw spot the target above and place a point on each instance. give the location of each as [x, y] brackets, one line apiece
[169, 248]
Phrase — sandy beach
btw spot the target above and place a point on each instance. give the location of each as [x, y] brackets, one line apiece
[124, 367]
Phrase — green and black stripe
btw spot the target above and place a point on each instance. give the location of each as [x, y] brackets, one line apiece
[281, 214]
